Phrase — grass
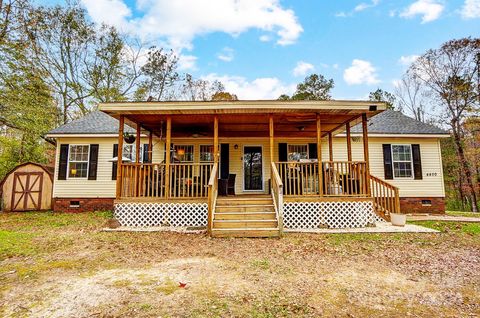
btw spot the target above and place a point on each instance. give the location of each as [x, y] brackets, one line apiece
[466, 214]
[42, 255]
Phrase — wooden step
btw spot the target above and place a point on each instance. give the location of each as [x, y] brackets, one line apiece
[244, 201]
[246, 232]
[245, 208]
[236, 224]
[245, 216]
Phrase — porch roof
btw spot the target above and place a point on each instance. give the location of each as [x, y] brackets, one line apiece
[243, 118]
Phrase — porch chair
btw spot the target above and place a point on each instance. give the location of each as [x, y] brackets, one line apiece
[231, 184]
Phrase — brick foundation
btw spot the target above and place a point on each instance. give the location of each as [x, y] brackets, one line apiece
[84, 204]
[414, 205]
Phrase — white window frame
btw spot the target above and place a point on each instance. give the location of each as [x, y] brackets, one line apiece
[68, 161]
[305, 145]
[200, 152]
[186, 145]
[411, 162]
[133, 151]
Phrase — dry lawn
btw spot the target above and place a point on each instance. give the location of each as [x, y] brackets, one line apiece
[62, 265]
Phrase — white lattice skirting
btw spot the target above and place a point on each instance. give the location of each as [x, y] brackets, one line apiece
[161, 214]
[331, 214]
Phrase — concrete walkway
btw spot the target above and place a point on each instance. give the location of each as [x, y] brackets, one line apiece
[381, 227]
[448, 218]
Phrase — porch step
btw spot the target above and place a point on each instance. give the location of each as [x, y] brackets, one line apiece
[245, 216]
[246, 232]
[236, 224]
[244, 201]
[245, 208]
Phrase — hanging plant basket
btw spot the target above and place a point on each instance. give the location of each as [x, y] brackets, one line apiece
[129, 138]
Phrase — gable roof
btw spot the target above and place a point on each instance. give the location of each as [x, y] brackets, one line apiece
[96, 122]
[387, 122]
[395, 122]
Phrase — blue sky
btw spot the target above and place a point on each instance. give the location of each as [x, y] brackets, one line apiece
[262, 48]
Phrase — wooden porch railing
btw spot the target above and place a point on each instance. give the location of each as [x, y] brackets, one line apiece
[277, 195]
[386, 197]
[212, 196]
[147, 180]
[340, 178]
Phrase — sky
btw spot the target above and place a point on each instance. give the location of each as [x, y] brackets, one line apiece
[261, 49]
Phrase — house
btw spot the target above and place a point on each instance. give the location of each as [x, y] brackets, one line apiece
[249, 168]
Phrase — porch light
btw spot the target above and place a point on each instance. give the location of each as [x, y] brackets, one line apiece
[181, 152]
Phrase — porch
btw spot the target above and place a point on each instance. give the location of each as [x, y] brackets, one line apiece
[281, 159]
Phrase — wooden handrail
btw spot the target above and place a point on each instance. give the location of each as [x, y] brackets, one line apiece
[386, 197]
[277, 196]
[339, 178]
[212, 196]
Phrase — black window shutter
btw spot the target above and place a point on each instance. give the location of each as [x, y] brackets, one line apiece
[417, 162]
[224, 161]
[282, 152]
[114, 164]
[312, 151]
[387, 161]
[93, 162]
[63, 162]
[145, 153]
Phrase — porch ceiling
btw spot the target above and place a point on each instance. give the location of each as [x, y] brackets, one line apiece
[243, 118]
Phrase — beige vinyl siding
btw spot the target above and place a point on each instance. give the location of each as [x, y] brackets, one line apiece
[430, 186]
[104, 186]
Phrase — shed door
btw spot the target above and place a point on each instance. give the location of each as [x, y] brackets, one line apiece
[27, 191]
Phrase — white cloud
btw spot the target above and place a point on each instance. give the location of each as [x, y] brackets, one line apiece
[187, 62]
[362, 6]
[361, 72]
[226, 54]
[259, 88]
[471, 9]
[302, 68]
[264, 38]
[180, 21]
[408, 60]
[430, 10]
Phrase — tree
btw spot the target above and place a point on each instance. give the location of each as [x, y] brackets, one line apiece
[383, 96]
[160, 73]
[412, 96]
[314, 87]
[451, 75]
[224, 96]
[200, 89]
[114, 72]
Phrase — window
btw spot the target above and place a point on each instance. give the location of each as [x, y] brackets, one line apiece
[206, 153]
[402, 161]
[129, 151]
[78, 161]
[184, 153]
[297, 152]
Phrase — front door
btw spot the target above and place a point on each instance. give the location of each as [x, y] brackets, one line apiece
[252, 168]
[27, 191]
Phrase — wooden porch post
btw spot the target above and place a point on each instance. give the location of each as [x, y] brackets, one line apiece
[150, 147]
[168, 145]
[137, 160]
[319, 156]
[349, 142]
[270, 119]
[121, 122]
[330, 146]
[215, 139]
[365, 150]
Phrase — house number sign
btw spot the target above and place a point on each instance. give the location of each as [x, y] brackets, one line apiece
[432, 174]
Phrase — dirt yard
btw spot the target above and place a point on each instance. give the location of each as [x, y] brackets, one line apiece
[63, 265]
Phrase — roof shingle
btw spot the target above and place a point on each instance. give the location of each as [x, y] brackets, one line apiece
[387, 122]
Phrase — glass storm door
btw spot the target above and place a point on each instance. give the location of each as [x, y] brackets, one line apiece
[252, 168]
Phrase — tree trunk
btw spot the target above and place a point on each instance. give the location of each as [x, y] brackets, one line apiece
[465, 167]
